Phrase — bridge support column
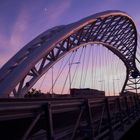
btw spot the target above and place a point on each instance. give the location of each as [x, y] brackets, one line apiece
[89, 120]
[111, 137]
[49, 121]
[120, 113]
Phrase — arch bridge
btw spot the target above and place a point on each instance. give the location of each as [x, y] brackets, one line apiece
[115, 30]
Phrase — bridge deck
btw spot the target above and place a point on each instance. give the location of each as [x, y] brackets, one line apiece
[68, 118]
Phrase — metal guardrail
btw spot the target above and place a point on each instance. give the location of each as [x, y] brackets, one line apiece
[68, 118]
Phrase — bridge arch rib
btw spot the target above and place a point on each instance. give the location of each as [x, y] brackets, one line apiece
[114, 29]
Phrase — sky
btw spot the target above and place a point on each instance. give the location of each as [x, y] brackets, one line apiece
[22, 21]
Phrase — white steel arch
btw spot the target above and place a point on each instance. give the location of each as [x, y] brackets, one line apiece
[114, 29]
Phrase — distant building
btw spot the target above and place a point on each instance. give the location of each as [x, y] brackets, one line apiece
[76, 92]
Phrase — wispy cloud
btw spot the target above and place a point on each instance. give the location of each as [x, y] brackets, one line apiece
[20, 27]
[56, 11]
[9, 45]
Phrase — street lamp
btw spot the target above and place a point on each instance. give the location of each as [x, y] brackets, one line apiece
[52, 80]
[70, 64]
[102, 81]
[114, 85]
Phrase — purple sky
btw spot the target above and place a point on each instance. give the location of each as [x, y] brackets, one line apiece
[23, 20]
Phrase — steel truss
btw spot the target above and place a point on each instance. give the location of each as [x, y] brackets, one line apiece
[69, 118]
[113, 29]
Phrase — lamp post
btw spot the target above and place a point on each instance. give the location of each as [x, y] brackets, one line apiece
[102, 81]
[70, 64]
[114, 85]
[52, 80]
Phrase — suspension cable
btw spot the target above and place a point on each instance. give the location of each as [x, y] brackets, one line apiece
[87, 66]
[68, 74]
[82, 67]
[61, 72]
[95, 67]
[42, 81]
[77, 67]
[92, 62]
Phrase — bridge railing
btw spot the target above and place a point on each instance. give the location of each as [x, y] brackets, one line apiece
[70, 119]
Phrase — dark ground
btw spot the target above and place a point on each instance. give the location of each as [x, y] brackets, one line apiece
[133, 133]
